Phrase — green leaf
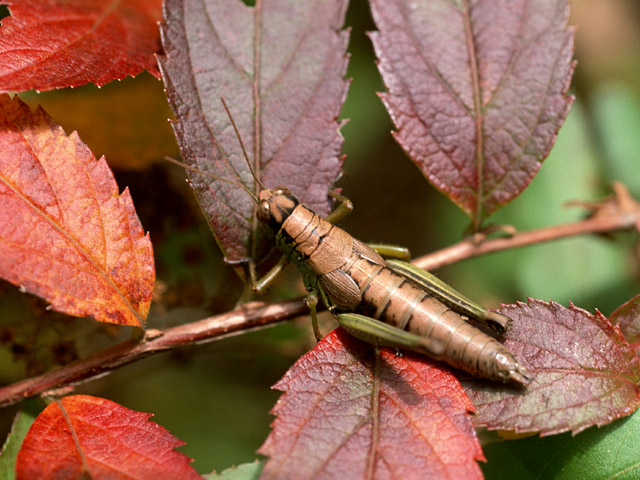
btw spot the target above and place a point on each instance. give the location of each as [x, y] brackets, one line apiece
[246, 471]
[598, 453]
[19, 429]
[579, 269]
[617, 117]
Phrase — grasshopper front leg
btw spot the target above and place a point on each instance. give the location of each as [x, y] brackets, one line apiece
[345, 207]
[262, 284]
[312, 302]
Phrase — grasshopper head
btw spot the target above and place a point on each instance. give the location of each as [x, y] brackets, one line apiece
[274, 206]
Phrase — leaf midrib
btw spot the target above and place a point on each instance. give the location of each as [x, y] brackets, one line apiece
[75, 244]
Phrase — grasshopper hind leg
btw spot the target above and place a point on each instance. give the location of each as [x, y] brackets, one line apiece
[391, 251]
[497, 321]
[451, 297]
[376, 332]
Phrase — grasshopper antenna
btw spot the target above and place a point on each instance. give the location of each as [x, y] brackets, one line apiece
[206, 174]
[244, 151]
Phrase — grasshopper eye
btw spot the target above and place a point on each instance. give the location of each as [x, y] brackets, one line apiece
[264, 211]
[282, 191]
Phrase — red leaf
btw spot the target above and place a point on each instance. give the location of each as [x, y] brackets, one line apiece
[348, 412]
[627, 316]
[284, 83]
[65, 233]
[84, 435]
[477, 90]
[584, 371]
[48, 44]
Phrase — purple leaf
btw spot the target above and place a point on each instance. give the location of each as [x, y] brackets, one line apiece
[627, 317]
[280, 67]
[585, 373]
[477, 90]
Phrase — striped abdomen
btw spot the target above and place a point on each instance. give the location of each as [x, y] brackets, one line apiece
[397, 301]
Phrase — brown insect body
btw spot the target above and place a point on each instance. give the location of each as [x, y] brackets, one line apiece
[352, 277]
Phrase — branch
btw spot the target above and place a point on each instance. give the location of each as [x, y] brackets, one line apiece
[251, 316]
[621, 212]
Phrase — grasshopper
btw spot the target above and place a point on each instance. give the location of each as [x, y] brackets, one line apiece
[389, 303]
[384, 302]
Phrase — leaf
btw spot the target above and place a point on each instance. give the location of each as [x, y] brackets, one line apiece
[280, 68]
[627, 317]
[598, 453]
[477, 91]
[348, 412]
[584, 371]
[616, 114]
[84, 435]
[246, 471]
[19, 429]
[65, 233]
[56, 44]
[558, 269]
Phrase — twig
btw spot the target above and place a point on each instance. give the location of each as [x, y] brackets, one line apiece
[249, 317]
[619, 213]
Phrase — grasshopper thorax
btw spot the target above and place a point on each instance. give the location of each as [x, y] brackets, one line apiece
[275, 206]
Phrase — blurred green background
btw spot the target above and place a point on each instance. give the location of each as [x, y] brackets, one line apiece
[217, 397]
